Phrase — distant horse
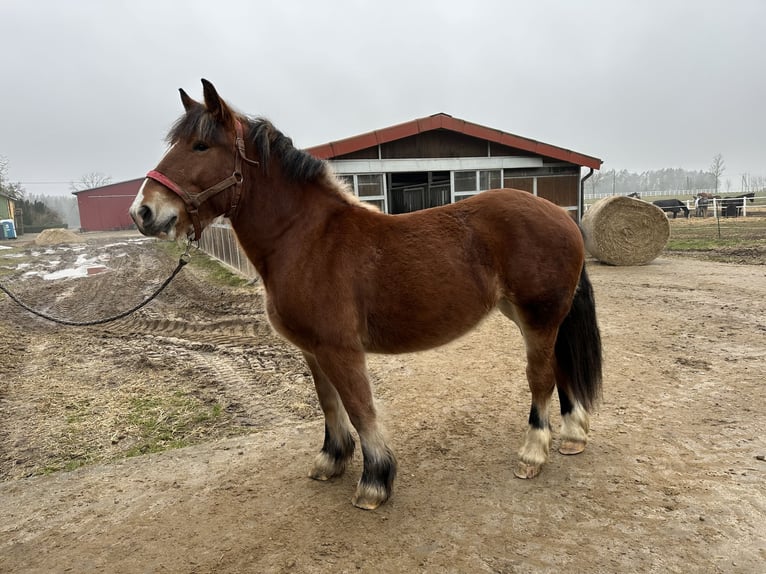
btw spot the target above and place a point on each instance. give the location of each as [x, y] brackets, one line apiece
[672, 206]
[732, 206]
[634, 194]
[701, 204]
[343, 279]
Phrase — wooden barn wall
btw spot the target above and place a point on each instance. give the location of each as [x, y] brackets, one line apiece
[522, 183]
[499, 150]
[561, 190]
[435, 144]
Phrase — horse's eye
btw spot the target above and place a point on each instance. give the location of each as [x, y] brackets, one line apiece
[200, 146]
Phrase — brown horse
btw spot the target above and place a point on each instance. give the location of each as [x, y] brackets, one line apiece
[343, 279]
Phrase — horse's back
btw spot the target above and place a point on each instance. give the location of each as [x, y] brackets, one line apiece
[504, 231]
[440, 271]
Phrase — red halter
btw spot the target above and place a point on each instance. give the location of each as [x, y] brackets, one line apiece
[194, 201]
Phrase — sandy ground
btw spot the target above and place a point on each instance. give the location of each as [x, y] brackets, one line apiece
[672, 481]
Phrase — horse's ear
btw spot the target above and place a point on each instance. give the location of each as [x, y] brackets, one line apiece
[214, 104]
[188, 102]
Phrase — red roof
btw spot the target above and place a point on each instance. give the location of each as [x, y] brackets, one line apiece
[444, 121]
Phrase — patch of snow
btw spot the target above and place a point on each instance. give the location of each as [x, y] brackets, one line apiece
[66, 274]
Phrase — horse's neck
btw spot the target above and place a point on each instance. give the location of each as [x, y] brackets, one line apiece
[275, 216]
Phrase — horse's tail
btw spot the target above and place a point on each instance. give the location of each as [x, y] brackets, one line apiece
[578, 346]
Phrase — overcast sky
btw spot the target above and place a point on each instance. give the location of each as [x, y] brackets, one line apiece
[91, 86]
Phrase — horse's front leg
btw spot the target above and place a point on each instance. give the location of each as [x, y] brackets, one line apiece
[541, 377]
[338, 447]
[347, 371]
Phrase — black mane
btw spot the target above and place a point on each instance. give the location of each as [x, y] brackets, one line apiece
[297, 164]
[269, 142]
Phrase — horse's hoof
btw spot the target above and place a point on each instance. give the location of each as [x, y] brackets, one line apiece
[319, 476]
[571, 447]
[364, 505]
[524, 470]
[369, 497]
[325, 467]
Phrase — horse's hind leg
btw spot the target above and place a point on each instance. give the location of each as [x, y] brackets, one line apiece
[540, 345]
[575, 421]
[338, 447]
[541, 378]
[348, 373]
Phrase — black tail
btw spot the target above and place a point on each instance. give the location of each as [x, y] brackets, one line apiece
[578, 347]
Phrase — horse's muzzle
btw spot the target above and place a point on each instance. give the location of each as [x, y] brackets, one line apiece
[149, 225]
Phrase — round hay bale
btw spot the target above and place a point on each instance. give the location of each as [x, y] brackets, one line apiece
[621, 230]
[57, 237]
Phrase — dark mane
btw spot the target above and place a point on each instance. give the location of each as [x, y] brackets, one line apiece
[269, 142]
[297, 164]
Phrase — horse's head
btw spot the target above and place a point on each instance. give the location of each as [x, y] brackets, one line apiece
[200, 177]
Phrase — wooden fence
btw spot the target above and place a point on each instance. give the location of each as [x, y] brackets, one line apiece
[219, 241]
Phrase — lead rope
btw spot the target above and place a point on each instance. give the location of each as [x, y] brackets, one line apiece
[184, 259]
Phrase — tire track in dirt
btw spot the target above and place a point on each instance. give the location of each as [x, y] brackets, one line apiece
[226, 332]
[238, 362]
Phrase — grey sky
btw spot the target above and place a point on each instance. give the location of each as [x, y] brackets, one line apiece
[91, 86]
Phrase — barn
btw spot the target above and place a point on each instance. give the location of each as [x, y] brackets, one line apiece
[105, 208]
[422, 163]
[441, 159]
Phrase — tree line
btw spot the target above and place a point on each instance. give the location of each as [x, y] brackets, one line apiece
[48, 210]
[624, 182]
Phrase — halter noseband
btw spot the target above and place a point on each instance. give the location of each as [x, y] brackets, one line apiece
[194, 201]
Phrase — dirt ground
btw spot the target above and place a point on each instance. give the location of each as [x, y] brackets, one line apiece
[672, 480]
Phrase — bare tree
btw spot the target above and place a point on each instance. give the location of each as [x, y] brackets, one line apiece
[12, 190]
[717, 168]
[89, 181]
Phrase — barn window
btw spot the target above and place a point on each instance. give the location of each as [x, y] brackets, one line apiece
[369, 187]
[490, 179]
[465, 184]
[469, 183]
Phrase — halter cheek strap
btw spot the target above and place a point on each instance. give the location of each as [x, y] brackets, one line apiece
[194, 201]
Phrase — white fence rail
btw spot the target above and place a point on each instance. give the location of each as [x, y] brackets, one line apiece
[654, 193]
[714, 207]
[218, 240]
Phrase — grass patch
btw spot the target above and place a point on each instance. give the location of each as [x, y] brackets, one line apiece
[200, 262]
[740, 240]
[166, 422]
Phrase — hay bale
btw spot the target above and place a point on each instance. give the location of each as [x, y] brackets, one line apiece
[625, 231]
[57, 237]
